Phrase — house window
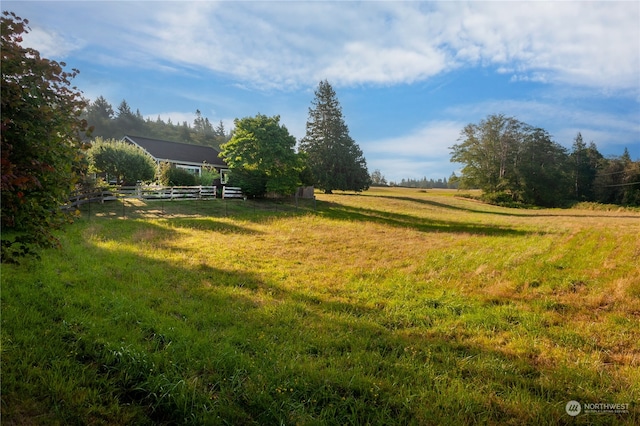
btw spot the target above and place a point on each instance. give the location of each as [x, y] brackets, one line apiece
[190, 169]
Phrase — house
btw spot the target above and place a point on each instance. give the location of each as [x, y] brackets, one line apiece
[182, 155]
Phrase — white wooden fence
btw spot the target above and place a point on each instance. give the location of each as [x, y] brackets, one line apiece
[143, 192]
[232, 192]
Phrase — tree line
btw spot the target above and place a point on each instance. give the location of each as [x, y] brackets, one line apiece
[108, 123]
[514, 162]
[425, 183]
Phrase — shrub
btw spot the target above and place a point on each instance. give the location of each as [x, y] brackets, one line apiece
[127, 163]
[175, 176]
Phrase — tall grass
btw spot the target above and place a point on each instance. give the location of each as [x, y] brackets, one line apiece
[392, 307]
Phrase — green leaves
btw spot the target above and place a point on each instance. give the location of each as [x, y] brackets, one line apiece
[261, 157]
[41, 133]
[504, 156]
[125, 162]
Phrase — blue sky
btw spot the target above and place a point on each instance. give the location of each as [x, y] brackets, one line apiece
[409, 75]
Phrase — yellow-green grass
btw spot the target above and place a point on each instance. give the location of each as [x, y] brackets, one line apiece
[396, 306]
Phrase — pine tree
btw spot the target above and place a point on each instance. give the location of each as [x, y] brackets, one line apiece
[334, 158]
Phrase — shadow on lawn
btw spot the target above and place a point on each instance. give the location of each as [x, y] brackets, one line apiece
[513, 212]
[210, 344]
[338, 211]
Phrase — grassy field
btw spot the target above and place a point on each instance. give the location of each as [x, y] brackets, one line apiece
[395, 306]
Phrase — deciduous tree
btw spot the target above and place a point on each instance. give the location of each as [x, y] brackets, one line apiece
[262, 158]
[377, 178]
[42, 134]
[489, 152]
[508, 158]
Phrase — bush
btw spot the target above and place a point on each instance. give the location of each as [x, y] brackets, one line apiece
[126, 163]
[208, 176]
[41, 143]
[175, 176]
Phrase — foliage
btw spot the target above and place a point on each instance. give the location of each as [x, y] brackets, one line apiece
[542, 174]
[125, 162]
[41, 141]
[422, 183]
[334, 158]
[261, 157]
[378, 179]
[507, 158]
[502, 155]
[489, 153]
[440, 311]
[169, 175]
[584, 162]
[618, 181]
[208, 175]
[114, 125]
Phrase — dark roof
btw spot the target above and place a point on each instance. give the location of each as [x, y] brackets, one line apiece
[178, 152]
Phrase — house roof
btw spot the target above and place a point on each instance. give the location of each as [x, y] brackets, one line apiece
[176, 152]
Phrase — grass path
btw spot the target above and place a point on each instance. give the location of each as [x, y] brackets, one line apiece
[396, 306]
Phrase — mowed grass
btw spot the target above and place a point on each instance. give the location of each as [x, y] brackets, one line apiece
[395, 306]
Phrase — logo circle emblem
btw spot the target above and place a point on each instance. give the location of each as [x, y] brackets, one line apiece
[573, 408]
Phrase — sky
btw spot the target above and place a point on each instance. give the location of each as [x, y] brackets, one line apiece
[408, 75]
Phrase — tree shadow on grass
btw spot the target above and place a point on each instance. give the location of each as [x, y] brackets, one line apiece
[220, 341]
[343, 212]
[512, 212]
[210, 224]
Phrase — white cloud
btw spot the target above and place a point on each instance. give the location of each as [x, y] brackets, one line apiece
[431, 140]
[610, 131]
[285, 45]
[422, 152]
[587, 43]
[50, 44]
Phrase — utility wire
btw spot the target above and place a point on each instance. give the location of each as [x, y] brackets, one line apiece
[609, 174]
[621, 184]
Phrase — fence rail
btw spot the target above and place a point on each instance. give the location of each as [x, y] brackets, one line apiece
[232, 192]
[143, 193]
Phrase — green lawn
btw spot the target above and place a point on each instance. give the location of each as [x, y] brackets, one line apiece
[395, 306]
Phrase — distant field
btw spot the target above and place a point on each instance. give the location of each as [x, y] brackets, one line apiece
[396, 306]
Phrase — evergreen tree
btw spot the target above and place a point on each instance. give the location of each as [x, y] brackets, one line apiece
[618, 181]
[543, 170]
[584, 161]
[335, 160]
[100, 116]
[127, 121]
[203, 133]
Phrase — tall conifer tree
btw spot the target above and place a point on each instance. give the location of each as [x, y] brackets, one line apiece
[334, 158]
